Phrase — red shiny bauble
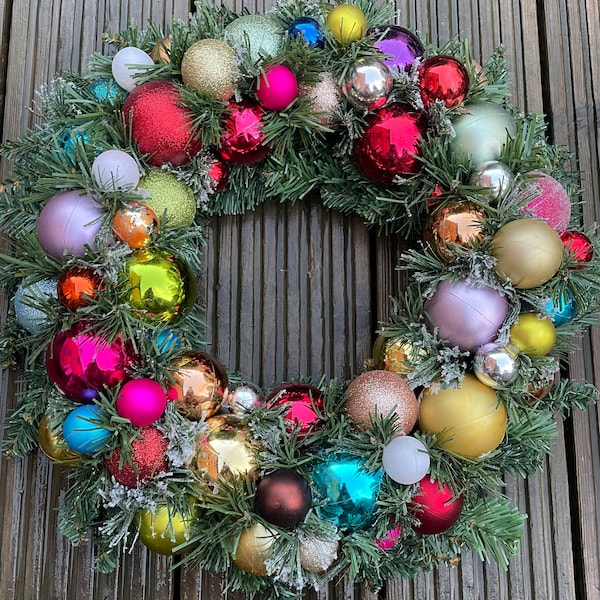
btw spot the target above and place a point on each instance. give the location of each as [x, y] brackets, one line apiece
[159, 125]
[80, 361]
[147, 459]
[283, 498]
[304, 402]
[77, 287]
[443, 78]
[580, 247]
[435, 507]
[390, 144]
[218, 176]
[242, 141]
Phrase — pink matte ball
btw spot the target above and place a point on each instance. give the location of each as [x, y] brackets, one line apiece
[277, 88]
[142, 401]
[549, 202]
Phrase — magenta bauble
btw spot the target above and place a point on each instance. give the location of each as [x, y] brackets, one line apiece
[68, 223]
[80, 361]
[549, 201]
[467, 316]
[142, 401]
[304, 403]
[435, 506]
[277, 88]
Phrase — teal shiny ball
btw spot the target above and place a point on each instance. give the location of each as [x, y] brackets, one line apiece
[563, 310]
[107, 89]
[82, 431]
[350, 492]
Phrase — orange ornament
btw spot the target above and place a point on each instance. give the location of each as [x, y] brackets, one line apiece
[135, 224]
[78, 287]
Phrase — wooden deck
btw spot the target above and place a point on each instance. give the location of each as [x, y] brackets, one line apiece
[298, 289]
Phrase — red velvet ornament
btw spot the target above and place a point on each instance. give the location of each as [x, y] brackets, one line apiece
[390, 143]
[159, 125]
[218, 175]
[434, 507]
[148, 459]
[304, 402]
[77, 287]
[579, 246]
[283, 498]
[242, 142]
[443, 78]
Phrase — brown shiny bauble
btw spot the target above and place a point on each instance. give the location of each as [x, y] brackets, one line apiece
[135, 224]
[77, 287]
[456, 222]
[283, 498]
[254, 547]
[199, 386]
[54, 446]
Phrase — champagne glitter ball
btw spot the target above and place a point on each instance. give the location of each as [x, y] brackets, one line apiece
[172, 200]
[317, 554]
[208, 67]
[325, 98]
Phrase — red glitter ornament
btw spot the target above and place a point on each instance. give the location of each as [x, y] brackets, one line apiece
[304, 404]
[443, 78]
[435, 507]
[242, 142]
[580, 247]
[78, 287]
[390, 144]
[148, 459]
[218, 176]
[159, 125]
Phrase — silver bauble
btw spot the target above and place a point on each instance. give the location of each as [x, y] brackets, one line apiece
[496, 365]
[29, 297]
[368, 83]
[244, 399]
[495, 176]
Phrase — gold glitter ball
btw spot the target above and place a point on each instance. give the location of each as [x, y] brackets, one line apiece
[325, 99]
[317, 554]
[208, 67]
[381, 393]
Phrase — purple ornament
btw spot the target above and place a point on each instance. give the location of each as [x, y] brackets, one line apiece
[69, 222]
[402, 45]
[466, 316]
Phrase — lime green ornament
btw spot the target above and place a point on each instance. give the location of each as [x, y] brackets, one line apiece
[171, 199]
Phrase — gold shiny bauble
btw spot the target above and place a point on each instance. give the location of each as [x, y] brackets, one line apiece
[396, 354]
[199, 385]
[470, 420]
[528, 252]
[225, 451]
[533, 335]
[208, 67]
[163, 529]
[347, 23]
[456, 222]
[161, 52]
[254, 547]
[54, 446]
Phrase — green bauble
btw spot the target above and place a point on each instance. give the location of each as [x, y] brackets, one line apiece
[171, 199]
[263, 35]
[482, 131]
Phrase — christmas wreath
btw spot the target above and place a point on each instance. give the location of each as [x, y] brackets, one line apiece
[382, 476]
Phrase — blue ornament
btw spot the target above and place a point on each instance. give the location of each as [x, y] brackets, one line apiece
[309, 29]
[29, 300]
[563, 310]
[82, 432]
[69, 139]
[106, 89]
[350, 492]
[167, 340]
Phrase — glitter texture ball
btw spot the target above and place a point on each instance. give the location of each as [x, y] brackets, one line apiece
[277, 87]
[469, 420]
[164, 528]
[54, 446]
[381, 393]
[208, 67]
[368, 83]
[317, 554]
[159, 125]
[325, 98]
[347, 23]
[350, 492]
[127, 63]
[28, 297]
[68, 223]
[115, 170]
[135, 224]
[77, 287]
[579, 246]
[148, 459]
[549, 201]
[159, 285]
[172, 200]
[445, 79]
[532, 334]
[108, 90]
[253, 548]
[309, 29]
[142, 401]
[435, 506]
[304, 402]
[401, 46]
[81, 433]
[390, 144]
[262, 34]
[405, 459]
[80, 362]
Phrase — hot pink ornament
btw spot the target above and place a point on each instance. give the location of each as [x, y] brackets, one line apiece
[142, 401]
[549, 201]
[304, 403]
[277, 88]
[390, 539]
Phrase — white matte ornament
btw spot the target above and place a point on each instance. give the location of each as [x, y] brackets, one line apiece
[126, 64]
[115, 170]
[406, 460]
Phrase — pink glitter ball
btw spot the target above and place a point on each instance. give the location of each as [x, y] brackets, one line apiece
[550, 201]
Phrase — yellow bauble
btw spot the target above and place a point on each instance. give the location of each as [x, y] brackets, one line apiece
[528, 252]
[470, 419]
[208, 67]
[533, 335]
[163, 529]
[347, 23]
[54, 446]
[254, 547]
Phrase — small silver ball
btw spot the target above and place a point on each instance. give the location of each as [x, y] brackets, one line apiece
[368, 83]
[496, 176]
[496, 365]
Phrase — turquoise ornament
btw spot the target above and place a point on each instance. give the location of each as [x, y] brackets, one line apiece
[107, 89]
[167, 340]
[350, 492]
[82, 432]
[563, 310]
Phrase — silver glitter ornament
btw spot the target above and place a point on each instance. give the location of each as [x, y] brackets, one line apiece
[496, 176]
[496, 365]
[317, 554]
[28, 297]
[368, 83]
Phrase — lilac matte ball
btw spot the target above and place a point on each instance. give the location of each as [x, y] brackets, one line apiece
[69, 222]
[142, 401]
[115, 170]
[466, 316]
